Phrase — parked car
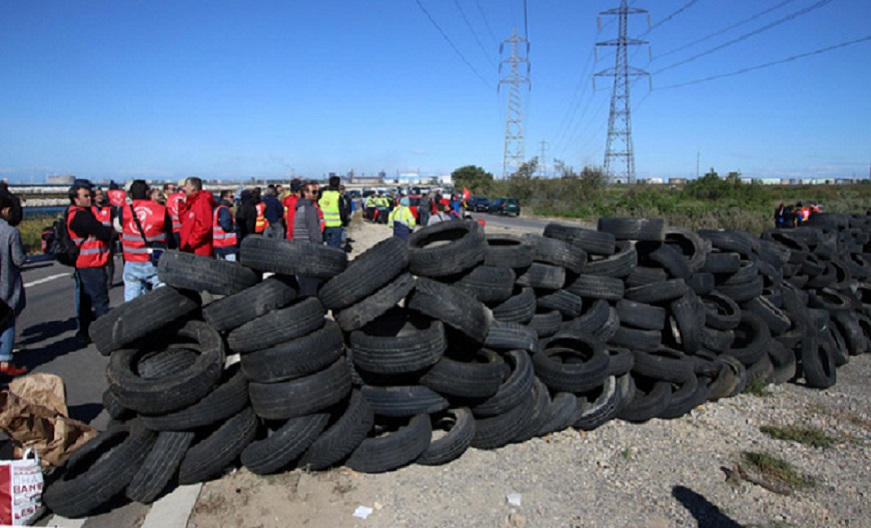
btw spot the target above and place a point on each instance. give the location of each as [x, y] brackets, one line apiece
[509, 206]
[480, 204]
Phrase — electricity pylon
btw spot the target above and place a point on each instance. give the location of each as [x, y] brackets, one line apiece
[514, 144]
[619, 153]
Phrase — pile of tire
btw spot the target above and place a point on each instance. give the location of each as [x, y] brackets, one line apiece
[415, 351]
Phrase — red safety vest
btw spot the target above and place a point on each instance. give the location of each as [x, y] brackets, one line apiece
[260, 222]
[221, 238]
[151, 216]
[117, 197]
[103, 215]
[172, 206]
[93, 252]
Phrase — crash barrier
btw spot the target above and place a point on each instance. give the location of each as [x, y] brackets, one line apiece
[415, 351]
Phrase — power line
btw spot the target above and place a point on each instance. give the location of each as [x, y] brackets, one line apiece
[769, 64]
[486, 23]
[475, 34]
[745, 36]
[525, 21]
[726, 29]
[669, 17]
[448, 40]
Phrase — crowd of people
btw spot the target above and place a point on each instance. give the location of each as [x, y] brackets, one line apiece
[788, 216]
[395, 210]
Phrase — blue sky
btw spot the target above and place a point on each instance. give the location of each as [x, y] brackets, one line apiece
[232, 89]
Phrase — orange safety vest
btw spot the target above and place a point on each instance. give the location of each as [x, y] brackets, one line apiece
[260, 222]
[93, 252]
[151, 215]
[221, 238]
[117, 197]
[172, 202]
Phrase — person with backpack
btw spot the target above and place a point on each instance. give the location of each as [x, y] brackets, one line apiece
[92, 239]
[145, 226]
[12, 257]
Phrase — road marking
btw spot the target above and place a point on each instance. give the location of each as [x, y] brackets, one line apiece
[47, 279]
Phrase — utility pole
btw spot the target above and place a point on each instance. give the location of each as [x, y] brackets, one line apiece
[619, 153]
[514, 145]
[542, 163]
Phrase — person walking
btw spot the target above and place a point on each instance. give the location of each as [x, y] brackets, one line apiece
[402, 219]
[273, 214]
[330, 203]
[145, 226]
[12, 257]
[93, 239]
[307, 229]
[224, 239]
[196, 218]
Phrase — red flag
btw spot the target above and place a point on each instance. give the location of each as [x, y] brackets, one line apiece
[466, 193]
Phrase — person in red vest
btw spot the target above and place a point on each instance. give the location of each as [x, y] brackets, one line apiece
[93, 239]
[117, 196]
[195, 212]
[173, 197]
[260, 222]
[105, 214]
[140, 273]
[289, 204]
[224, 239]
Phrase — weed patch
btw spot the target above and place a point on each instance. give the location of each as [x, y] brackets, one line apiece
[776, 472]
[811, 436]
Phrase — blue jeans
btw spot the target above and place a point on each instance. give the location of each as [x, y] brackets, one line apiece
[333, 236]
[137, 277]
[7, 339]
[93, 296]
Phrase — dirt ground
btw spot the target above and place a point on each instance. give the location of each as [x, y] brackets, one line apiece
[659, 474]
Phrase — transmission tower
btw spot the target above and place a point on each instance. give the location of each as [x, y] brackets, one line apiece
[514, 145]
[619, 154]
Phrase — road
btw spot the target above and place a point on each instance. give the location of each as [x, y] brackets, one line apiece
[535, 225]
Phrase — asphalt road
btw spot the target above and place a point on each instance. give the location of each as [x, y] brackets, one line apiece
[535, 225]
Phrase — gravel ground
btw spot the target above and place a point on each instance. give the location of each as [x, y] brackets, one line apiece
[659, 474]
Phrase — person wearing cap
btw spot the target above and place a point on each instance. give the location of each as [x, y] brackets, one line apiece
[93, 239]
[12, 257]
[402, 219]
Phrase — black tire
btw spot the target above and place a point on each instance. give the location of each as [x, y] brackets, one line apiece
[459, 425]
[752, 339]
[301, 396]
[620, 264]
[658, 293]
[498, 430]
[160, 466]
[408, 400]
[283, 445]
[511, 336]
[688, 395]
[560, 413]
[461, 379]
[399, 343]
[634, 228]
[818, 363]
[99, 470]
[848, 326]
[488, 283]
[651, 398]
[428, 257]
[114, 407]
[593, 319]
[688, 313]
[702, 283]
[367, 273]
[292, 257]
[721, 312]
[519, 308]
[451, 306]
[831, 300]
[636, 339]
[693, 247]
[141, 316]
[172, 392]
[743, 292]
[296, 358]
[608, 328]
[512, 391]
[543, 276]
[777, 321]
[235, 310]
[591, 241]
[565, 302]
[538, 416]
[342, 436]
[508, 250]
[663, 365]
[546, 324]
[571, 363]
[640, 315]
[672, 261]
[597, 287]
[219, 448]
[393, 449]
[605, 404]
[363, 312]
[278, 326]
[620, 361]
[722, 262]
[166, 362]
[224, 401]
[727, 241]
[643, 275]
[558, 253]
[188, 271]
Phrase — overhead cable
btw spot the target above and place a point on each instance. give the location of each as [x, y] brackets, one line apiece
[448, 40]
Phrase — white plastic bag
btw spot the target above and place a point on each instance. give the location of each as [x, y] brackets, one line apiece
[21, 490]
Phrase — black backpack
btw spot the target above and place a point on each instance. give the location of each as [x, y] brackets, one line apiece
[62, 248]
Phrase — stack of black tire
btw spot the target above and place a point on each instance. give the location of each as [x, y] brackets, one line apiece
[414, 352]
